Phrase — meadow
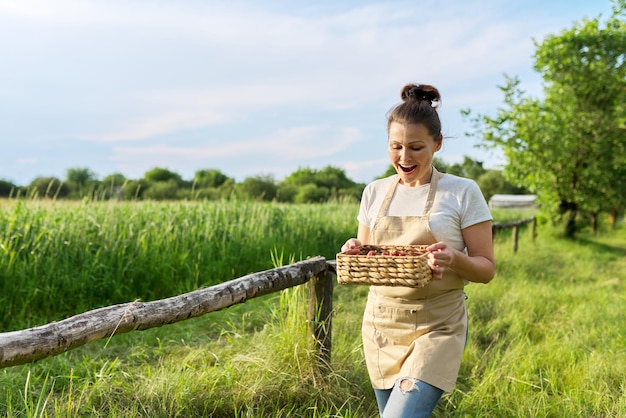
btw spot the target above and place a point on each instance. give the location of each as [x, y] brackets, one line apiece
[546, 335]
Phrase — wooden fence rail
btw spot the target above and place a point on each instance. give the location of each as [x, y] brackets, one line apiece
[515, 226]
[25, 346]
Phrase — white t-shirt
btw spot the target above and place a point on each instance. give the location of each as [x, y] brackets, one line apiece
[458, 204]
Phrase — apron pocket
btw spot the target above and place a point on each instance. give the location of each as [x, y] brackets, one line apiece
[398, 326]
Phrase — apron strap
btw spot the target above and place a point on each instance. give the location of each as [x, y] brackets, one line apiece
[434, 180]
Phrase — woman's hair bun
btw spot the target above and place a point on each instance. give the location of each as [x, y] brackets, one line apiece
[421, 92]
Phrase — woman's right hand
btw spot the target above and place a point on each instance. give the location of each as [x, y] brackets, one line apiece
[351, 246]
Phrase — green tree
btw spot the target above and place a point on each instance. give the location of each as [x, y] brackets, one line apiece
[493, 182]
[311, 193]
[114, 180]
[301, 176]
[81, 181]
[162, 174]
[47, 187]
[569, 148]
[7, 188]
[162, 190]
[469, 168]
[162, 184]
[209, 178]
[331, 182]
[286, 192]
[258, 188]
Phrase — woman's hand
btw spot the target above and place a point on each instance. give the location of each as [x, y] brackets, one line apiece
[351, 246]
[440, 257]
[476, 264]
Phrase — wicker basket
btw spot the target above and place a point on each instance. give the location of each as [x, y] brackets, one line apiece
[387, 265]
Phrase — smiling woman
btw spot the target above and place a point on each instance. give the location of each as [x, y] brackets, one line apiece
[413, 338]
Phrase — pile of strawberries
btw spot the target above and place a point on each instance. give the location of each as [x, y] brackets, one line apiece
[385, 252]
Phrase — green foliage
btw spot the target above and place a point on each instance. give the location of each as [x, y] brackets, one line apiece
[162, 190]
[469, 168]
[258, 188]
[159, 174]
[311, 193]
[209, 178]
[114, 180]
[319, 185]
[7, 188]
[570, 148]
[81, 182]
[48, 187]
[493, 182]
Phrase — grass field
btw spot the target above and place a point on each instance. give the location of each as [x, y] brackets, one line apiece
[546, 335]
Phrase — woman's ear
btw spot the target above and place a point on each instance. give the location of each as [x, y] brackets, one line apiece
[439, 142]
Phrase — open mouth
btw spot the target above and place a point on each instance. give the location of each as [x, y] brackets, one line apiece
[407, 168]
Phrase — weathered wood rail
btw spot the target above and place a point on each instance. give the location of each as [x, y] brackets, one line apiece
[515, 225]
[29, 345]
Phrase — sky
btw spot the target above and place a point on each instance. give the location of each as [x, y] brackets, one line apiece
[253, 87]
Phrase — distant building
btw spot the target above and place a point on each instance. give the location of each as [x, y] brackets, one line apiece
[517, 201]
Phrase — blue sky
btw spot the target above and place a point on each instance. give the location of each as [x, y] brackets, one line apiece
[251, 87]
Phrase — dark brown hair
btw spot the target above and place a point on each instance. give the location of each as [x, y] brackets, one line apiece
[419, 106]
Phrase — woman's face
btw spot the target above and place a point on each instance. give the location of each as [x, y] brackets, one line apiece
[411, 149]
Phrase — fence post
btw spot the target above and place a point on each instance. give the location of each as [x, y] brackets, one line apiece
[534, 229]
[320, 316]
[515, 238]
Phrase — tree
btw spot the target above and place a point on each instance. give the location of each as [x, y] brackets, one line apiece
[162, 174]
[311, 193]
[162, 184]
[493, 182]
[114, 180]
[569, 148]
[112, 186]
[209, 178]
[81, 181]
[330, 182]
[469, 168]
[7, 188]
[47, 187]
[258, 188]
[162, 190]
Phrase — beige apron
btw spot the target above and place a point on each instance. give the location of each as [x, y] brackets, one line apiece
[413, 332]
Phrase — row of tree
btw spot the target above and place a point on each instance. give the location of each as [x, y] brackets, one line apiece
[304, 185]
[569, 147]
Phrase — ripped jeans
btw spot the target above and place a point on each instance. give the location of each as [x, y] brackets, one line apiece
[408, 398]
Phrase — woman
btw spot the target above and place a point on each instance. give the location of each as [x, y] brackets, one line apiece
[413, 338]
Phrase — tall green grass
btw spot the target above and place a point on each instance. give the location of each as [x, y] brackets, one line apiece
[546, 337]
[59, 259]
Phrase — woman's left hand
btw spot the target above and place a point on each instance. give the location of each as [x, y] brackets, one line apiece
[440, 257]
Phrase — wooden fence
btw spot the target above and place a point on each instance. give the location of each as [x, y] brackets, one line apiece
[25, 346]
[29, 345]
[515, 225]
